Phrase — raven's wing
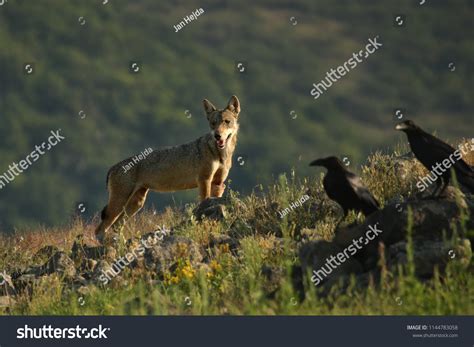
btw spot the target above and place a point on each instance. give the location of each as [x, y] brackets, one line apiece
[441, 150]
[361, 191]
[339, 189]
[441, 147]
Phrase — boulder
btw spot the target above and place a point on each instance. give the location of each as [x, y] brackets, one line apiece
[432, 219]
[317, 257]
[429, 254]
[212, 208]
[435, 233]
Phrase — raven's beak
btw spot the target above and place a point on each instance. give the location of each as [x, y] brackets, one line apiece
[401, 127]
[317, 162]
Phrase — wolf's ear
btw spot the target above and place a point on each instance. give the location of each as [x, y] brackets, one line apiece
[208, 106]
[234, 105]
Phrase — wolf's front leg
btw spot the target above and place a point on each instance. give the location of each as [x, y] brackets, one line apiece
[218, 186]
[204, 189]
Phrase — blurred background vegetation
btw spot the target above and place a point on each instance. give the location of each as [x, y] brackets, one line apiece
[86, 67]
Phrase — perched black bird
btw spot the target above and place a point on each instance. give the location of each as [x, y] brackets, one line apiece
[432, 152]
[345, 187]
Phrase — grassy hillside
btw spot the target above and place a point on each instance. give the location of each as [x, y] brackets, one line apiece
[86, 68]
[251, 274]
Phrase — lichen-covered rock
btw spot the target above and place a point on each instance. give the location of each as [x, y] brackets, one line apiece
[164, 255]
[61, 264]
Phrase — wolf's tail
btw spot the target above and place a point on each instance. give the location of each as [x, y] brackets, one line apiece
[103, 213]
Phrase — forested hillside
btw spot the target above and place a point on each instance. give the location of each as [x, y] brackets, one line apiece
[80, 80]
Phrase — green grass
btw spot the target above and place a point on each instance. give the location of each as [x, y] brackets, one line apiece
[233, 283]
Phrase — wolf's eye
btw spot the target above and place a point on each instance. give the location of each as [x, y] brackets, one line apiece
[227, 121]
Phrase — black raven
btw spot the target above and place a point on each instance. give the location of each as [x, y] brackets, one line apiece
[345, 187]
[432, 152]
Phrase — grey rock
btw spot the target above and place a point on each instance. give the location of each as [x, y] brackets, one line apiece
[212, 208]
[313, 256]
[429, 254]
[81, 251]
[164, 256]
[59, 263]
[104, 273]
[432, 219]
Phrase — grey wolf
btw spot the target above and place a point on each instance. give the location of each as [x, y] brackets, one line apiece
[203, 163]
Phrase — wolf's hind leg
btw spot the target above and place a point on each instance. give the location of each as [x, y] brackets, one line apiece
[133, 205]
[111, 212]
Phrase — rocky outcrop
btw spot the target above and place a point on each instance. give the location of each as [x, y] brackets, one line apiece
[86, 267]
[436, 234]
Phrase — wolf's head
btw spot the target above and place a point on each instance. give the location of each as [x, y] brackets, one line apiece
[223, 123]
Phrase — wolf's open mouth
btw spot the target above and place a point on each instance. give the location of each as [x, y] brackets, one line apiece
[221, 143]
